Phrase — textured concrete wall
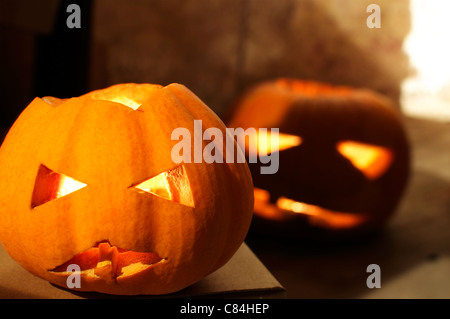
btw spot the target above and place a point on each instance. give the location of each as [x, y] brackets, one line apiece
[219, 47]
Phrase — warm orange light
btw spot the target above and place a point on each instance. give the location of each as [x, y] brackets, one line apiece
[264, 208]
[261, 195]
[320, 216]
[172, 185]
[371, 160]
[297, 207]
[68, 185]
[263, 143]
[317, 215]
[126, 101]
[50, 185]
[158, 185]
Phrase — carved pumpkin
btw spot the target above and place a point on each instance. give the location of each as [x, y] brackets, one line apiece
[343, 158]
[89, 181]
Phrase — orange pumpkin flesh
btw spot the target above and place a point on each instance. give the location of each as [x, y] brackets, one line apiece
[92, 181]
[345, 171]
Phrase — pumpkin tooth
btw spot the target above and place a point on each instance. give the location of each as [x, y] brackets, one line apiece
[103, 249]
[104, 270]
[110, 255]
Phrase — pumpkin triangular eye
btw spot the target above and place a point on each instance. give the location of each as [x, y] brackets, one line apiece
[372, 160]
[172, 185]
[263, 143]
[50, 185]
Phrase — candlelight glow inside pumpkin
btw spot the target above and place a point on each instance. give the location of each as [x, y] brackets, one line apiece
[51, 185]
[343, 158]
[371, 160]
[125, 101]
[94, 185]
[317, 215]
[261, 143]
[172, 185]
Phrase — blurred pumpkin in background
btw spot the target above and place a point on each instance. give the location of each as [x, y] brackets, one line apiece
[89, 181]
[343, 158]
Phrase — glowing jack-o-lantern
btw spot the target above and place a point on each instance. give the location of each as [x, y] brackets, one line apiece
[343, 158]
[89, 182]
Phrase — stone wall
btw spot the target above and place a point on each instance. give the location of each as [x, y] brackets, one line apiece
[218, 48]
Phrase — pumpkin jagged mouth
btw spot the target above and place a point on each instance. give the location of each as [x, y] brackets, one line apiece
[109, 262]
[316, 215]
[321, 216]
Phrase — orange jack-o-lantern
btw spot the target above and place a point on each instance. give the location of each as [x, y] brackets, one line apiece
[90, 182]
[343, 158]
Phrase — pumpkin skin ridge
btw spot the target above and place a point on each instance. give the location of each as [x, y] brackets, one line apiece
[172, 89]
[187, 100]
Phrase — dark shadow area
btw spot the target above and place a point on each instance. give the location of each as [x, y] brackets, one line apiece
[62, 56]
[40, 55]
[417, 233]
